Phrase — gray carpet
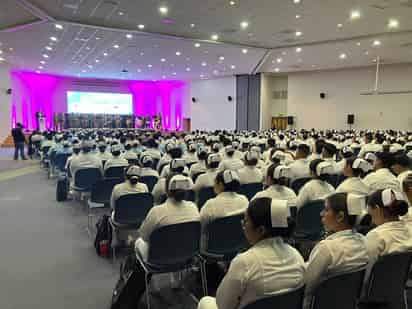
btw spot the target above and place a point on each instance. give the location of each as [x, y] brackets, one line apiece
[47, 259]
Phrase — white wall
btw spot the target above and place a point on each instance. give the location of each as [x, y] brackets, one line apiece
[343, 88]
[212, 110]
[5, 101]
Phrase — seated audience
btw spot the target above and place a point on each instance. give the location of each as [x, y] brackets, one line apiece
[207, 179]
[230, 162]
[116, 160]
[382, 177]
[250, 173]
[300, 167]
[355, 168]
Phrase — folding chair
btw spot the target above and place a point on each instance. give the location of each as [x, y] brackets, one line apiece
[225, 239]
[387, 281]
[129, 212]
[115, 172]
[308, 221]
[250, 189]
[356, 151]
[288, 300]
[333, 180]
[167, 253]
[205, 194]
[341, 178]
[190, 196]
[60, 161]
[339, 292]
[85, 178]
[298, 183]
[149, 181]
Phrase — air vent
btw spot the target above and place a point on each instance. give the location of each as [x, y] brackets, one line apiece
[280, 95]
[96, 83]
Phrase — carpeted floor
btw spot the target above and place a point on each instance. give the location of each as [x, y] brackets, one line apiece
[47, 259]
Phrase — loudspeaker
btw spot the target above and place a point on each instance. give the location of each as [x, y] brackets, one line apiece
[8, 91]
[322, 95]
[290, 120]
[229, 98]
[194, 100]
[351, 119]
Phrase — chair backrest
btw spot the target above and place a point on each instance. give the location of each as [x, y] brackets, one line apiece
[189, 165]
[204, 195]
[225, 236]
[332, 180]
[288, 300]
[52, 157]
[308, 220]
[102, 190]
[298, 183]
[190, 196]
[60, 160]
[167, 248]
[339, 292]
[388, 278]
[115, 172]
[250, 189]
[356, 150]
[341, 178]
[132, 208]
[85, 178]
[149, 181]
[194, 177]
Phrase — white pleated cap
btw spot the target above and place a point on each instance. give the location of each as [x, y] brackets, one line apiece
[279, 213]
[281, 171]
[324, 168]
[229, 176]
[356, 204]
[180, 182]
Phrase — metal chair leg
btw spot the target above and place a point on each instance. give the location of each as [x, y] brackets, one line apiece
[147, 282]
[203, 276]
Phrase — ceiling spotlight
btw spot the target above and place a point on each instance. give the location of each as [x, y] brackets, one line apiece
[163, 60]
[43, 62]
[244, 50]
[83, 71]
[141, 26]
[97, 60]
[355, 14]
[188, 69]
[284, 53]
[340, 25]
[244, 24]
[221, 58]
[120, 13]
[192, 25]
[197, 45]
[90, 66]
[129, 36]
[214, 37]
[393, 23]
[116, 46]
[204, 64]
[277, 70]
[40, 67]
[366, 53]
[58, 26]
[358, 43]
[53, 38]
[174, 73]
[296, 1]
[45, 56]
[97, 38]
[279, 60]
[48, 48]
[298, 33]
[178, 53]
[1, 59]
[164, 76]
[105, 54]
[297, 16]
[163, 10]
[38, 72]
[232, 3]
[233, 67]
[342, 56]
[149, 66]
[139, 70]
[377, 43]
[298, 49]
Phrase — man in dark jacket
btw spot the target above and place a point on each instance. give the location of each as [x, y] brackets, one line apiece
[19, 140]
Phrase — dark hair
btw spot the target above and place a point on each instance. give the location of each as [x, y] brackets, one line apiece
[202, 155]
[386, 158]
[303, 148]
[259, 212]
[132, 178]
[213, 164]
[313, 165]
[402, 160]
[177, 195]
[357, 172]
[251, 162]
[407, 183]
[148, 163]
[283, 181]
[338, 202]
[233, 186]
[329, 149]
[319, 146]
[176, 153]
[396, 209]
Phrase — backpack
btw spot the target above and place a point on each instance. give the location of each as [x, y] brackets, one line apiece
[103, 239]
[130, 286]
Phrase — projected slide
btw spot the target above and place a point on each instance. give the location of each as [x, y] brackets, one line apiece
[99, 103]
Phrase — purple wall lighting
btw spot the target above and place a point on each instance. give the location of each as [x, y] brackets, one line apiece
[45, 93]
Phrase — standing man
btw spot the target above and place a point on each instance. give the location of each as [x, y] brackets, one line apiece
[19, 141]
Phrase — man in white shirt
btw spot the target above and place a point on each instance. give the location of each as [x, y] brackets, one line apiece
[382, 177]
[300, 167]
[116, 160]
[250, 173]
[329, 150]
[400, 167]
[369, 146]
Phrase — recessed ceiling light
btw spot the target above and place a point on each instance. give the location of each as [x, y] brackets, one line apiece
[105, 54]
[221, 58]
[178, 53]
[377, 43]
[233, 67]
[188, 69]
[214, 37]
[163, 10]
[244, 50]
[90, 66]
[244, 24]
[298, 33]
[142, 54]
[53, 38]
[298, 49]
[393, 23]
[216, 72]
[38, 72]
[48, 48]
[342, 56]
[140, 26]
[197, 45]
[58, 26]
[87, 48]
[340, 25]
[116, 46]
[232, 3]
[120, 13]
[204, 64]
[149, 66]
[358, 44]
[192, 25]
[277, 70]
[296, 1]
[355, 14]
[45, 56]
[97, 60]
[201, 76]
[297, 16]
[40, 67]
[1, 59]
[163, 60]
[174, 73]
[164, 76]
[139, 70]
[43, 62]
[129, 36]
[279, 60]
[97, 38]
[366, 53]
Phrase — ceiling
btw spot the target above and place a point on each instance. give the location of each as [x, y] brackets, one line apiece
[165, 49]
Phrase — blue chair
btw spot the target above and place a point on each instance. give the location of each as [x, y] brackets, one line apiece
[149, 181]
[308, 221]
[341, 178]
[52, 163]
[85, 178]
[190, 196]
[250, 189]
[115, 172]
[288, 300]
[341, 291]
[387, 281]
[356, 151]
[298, 183]
[162, 198]
[165, 256]
[333, 180]
[60, 161]
[205, 194]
